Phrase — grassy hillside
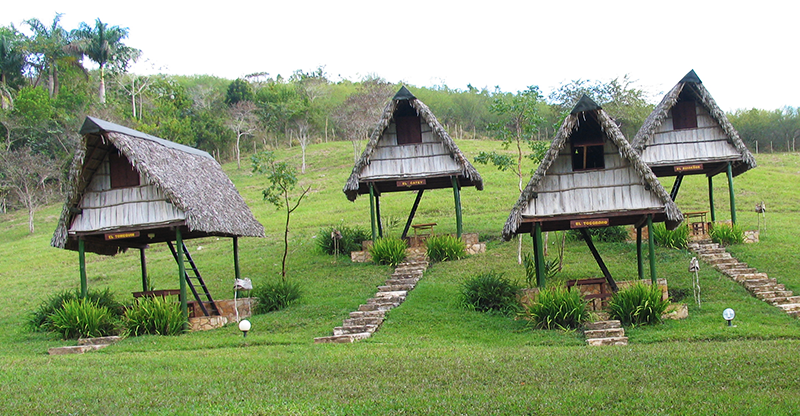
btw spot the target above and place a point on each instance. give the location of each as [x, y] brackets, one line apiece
[429, 356]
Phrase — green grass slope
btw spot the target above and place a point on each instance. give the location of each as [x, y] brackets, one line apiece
[429, 357]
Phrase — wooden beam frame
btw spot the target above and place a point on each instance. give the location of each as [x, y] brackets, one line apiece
[676, 186]
[372, 212]
[639, 256]
[82, 267]
[588, 238]
[652, 248]
[732, 195]
[457, 198]
[143, 261]
[413, 212]
[711, 198]
[182, 275]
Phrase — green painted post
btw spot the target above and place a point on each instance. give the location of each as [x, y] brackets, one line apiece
[457, 197]
[639, 257]
[182, 274]
[538, 247]
[378, 215]
[82, 266]
[730, 190]
[143, 261]
[652, 248]
[372, 212]
[711, 197]
[236, 271]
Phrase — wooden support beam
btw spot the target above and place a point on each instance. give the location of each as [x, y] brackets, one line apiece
[457, 198]
[378, 215]
[413, 211]
[236, 270]
[652, 248]
[181, 274]
[82, 267]
[588, 238]
[730, 191]
[538, 255]
[372, 212]
[711, 198]
[143, 261]
[676, 186]
[639, 257]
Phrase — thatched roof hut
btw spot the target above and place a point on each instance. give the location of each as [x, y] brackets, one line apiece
[409, 149]
[590, 172]
[688, 133]
[128, 189]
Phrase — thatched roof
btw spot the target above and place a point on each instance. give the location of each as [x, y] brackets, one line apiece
[468, 175]
[584, 109]
[692, 84]
[189, 178]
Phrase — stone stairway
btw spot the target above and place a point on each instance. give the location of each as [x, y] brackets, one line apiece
[84, 345]
[758, 284]
[368, 318]
[605, 333]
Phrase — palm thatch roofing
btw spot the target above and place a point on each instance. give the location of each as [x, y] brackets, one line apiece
[692, 87]
[587, 111]
[465, 173]
[190, 179]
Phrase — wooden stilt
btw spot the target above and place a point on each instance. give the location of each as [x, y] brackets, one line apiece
[711, 198]
[143, 261]
[730, 191]
[538, 254]
[639, 257]
[181, 274]
[457, 198]
[676, 186]
[413, 212]
[652, 248]
[372, 212]
[236, 270]
[588, 238]
[378, 215]
[82, 267]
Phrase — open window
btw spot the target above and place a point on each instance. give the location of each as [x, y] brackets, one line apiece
[684, 115]
[123, 175]
[587, 147]
[408, 124]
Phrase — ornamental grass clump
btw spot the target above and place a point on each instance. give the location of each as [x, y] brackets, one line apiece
[155, 316]
[39, 319]
[557, 307]
[490, 292]
[83, 318]
[726, 235]
[274, 296]
[349, 239]
[445, 247]
[677, 238]
[388, 250]
[639, 304]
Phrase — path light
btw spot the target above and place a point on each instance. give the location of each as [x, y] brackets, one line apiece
[244, 326]
[728, 315]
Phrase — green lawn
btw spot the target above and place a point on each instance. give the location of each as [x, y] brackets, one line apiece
[429, 357]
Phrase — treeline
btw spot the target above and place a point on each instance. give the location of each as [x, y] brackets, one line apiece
[46, 90]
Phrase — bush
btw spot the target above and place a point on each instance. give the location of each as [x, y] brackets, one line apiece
[445, 247]
[557, 308]
[40, 318]
[677, 238]
[550, 269]
[678, 294]
[612, 234]
[726, 235]
[637, 305]
[275, 296]
[388, 250]
[490, 292]
[156, 316]
[83, 318]
[351, 239]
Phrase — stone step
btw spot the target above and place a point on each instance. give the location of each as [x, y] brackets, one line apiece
[397, 294]
[709, 257]
[793, 299]
[603, 325]
[772, 290]
[749, 276]
[367, 314]
[395, 288]
[607, 341]
[725, 264]
[795, 314]
[75, 349]
[99, 340]
[604, 333]
[376, 307]
[342, 339]
[354, 329]
[407, 275]
[741, 270]
[790, 306]
[410, 281]
[363, 321]
[710, 250]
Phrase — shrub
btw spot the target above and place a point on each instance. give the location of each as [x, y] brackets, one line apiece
[274, 296]
[677, 238]
[726, 235]
[557, 308]
[388, 250]
[156, 316]
[445, 247]
[83, 318]
[40, 318]
[351, 239]
[550, 269]
[490, 292]
[678, 294]
[612, 234]
[638, 304]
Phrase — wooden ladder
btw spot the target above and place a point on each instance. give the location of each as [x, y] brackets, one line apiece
[187, 258]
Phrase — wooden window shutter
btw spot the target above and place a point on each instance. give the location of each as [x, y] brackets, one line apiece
[408, 130]
[123, 175]
[684, 115]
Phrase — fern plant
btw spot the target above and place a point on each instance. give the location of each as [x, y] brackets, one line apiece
[638, 304]
[156, 316]
[557, 307]
[445, 247]
[677, 238]
[83, 318]
[726, 235]
[388, 250]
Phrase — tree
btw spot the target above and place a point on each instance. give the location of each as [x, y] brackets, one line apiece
[12, 60]
[51, 51]
[243, 123]
[103, 45]
[361, 110]
[30, 177]
[238, 90]
[282, 181]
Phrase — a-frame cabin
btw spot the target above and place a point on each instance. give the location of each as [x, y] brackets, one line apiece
[590, 177]
[409, 150]
[688, 134]
[128, 189]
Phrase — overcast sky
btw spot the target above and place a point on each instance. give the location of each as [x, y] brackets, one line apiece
[746, 53]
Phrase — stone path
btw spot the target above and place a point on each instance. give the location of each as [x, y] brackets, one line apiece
[84, 345]
[758, 284]
[368, 318]
[605, 333]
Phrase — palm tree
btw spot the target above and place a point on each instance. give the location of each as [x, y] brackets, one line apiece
[50, 45]
[11, 62]
[103, 45]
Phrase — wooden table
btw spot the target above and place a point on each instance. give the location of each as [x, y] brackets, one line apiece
[420, 227]
[698, 227]
[153, 293]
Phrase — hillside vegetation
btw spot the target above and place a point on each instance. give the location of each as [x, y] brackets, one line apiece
[430, 356]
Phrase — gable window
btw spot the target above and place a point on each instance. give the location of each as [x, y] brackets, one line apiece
[587, 147]
[408, 124]
[684, 115]
[123, 175]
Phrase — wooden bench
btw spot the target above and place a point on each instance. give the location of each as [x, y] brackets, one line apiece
[420, 227]
[603, 296]
[697, 228]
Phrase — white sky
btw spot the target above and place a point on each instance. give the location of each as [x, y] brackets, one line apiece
[746, 53]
